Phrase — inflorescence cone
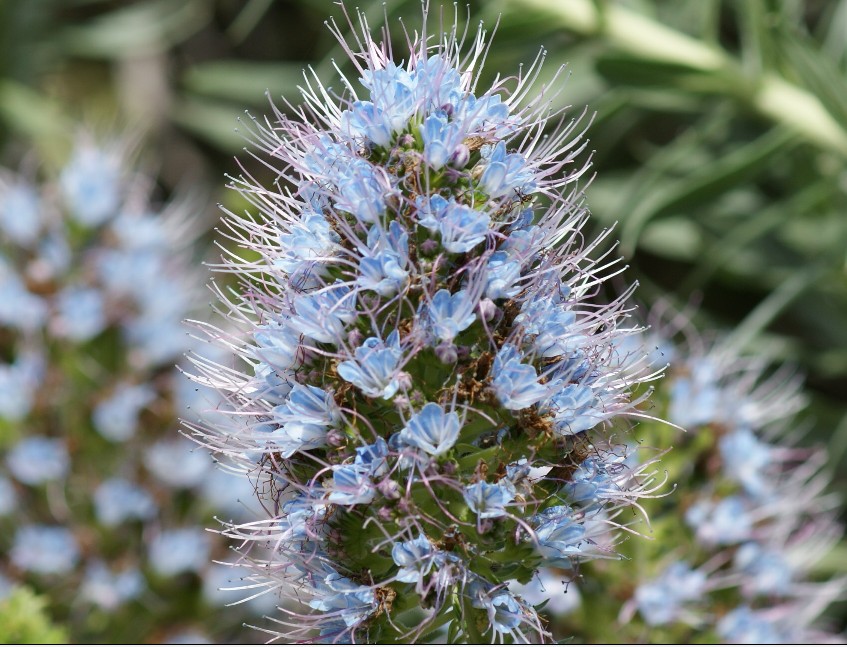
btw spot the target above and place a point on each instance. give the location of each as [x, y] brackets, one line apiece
[425, 391]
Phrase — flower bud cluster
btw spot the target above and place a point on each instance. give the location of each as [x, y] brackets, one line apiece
[95, 281]
[425, 388]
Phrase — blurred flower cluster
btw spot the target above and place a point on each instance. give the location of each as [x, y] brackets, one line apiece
[423, 383]
[736, 545]
[101, 501]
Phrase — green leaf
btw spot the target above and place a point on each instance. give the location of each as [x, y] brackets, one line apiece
[245, 82]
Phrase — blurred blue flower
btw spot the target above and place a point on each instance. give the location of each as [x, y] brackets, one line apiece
[45, 550]
[36, 460]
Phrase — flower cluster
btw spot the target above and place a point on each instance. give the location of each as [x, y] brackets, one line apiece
[423, 383]
[737, 544]
[99, 503]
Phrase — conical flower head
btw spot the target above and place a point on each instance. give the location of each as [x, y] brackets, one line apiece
[423, 280]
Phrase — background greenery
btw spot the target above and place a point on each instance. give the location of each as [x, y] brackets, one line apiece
[719, 131]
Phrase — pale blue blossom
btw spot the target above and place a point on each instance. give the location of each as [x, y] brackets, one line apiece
[695, 397]
[576, 408]
[118, 500]
[19, 308]
[116, 417]
[177, 462]
[450, 314]
[80, 313]
[35, 460]
[461, 227]
[746, 460]
[662, 600]
[415, 558]
[176, 551]
[308, 248]
[505, 173]
[351, 485]
[743, 626]
[19, 383]
[44, 550]
[384, 266]
[278, 345]
[432, 430]
[561, 538]
[504, 274]
[441, 138]
[336, 594]
[374, 369]
[360, 191]
[489, 500]
[324, 315]
[109, 590]
[20, 214]
[91, 185]
[767, 572]
[515, 383]
[304, 419]
[722, 522]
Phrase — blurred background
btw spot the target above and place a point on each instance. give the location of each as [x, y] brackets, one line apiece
[719, 132]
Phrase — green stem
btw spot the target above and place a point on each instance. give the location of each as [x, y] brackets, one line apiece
[644, 38]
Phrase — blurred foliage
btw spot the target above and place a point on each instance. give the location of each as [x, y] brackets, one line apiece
[720, 131]
[23, 620]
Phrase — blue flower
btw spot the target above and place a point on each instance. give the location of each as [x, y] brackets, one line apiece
[489, 500]
[515, 384]
[324, 315]
[432, 430]
[360, 191]
[745, 460]
[695, 398]
[591, 482]
[338, 595]
[383, 268]
[374, 367]
[441, 138]
[110, 590]
[308, 248]
[553, 327]
[720, 523]
[415, 558]
[743, 626]
[504, 275]
[18, 307]
[91, 186]
[575, 409]
[561, 538]
[766, 572]
[177, 463]
[19, 383]
[278, 345]
[351, 485]
[660, 601]
[20, 213]
[486, 115]
[373, 457]
[116, 417]
[172, 552]
[505, 173]
[461, 227]
[46, 550]
[117, 500]
[450, 314]
[80, 313]
[304, 419]
[36, 460]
